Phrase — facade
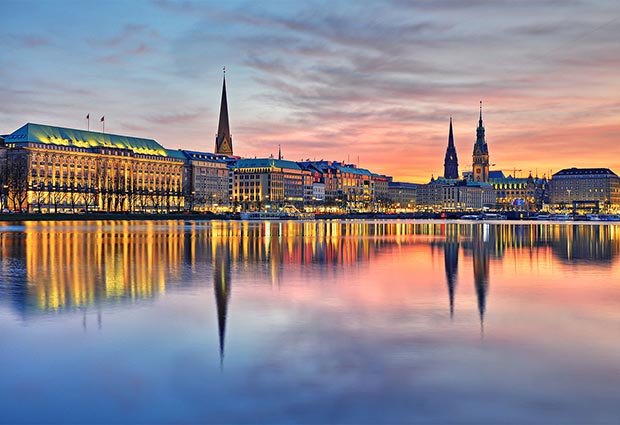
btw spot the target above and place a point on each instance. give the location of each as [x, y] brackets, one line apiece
[455, 195]
[585, 187]
[403, 195]
[515, 194]
[223, 140]
[318, 192]
[451, 161]
[480, 166]
[54, 169]
[269, 183]
[381, 190]
[346, 186]
[206, 181]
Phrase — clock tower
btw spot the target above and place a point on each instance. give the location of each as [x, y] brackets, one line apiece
[480, 166]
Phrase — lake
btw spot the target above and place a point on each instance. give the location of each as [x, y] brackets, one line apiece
[309, 322]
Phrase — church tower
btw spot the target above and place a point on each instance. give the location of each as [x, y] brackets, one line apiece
[451, 163]
[223, 140]
[481, 154]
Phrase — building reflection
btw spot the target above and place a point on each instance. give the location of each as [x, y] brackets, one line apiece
[481, 270]
[68, 266]
[221, 287]
[451, 260]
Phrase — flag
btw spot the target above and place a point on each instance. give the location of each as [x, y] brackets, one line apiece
[102, 119]
[87, 116]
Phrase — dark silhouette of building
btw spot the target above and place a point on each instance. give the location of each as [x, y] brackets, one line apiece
[481, 277]
[221, 286]
[223, 140]
[480, 171]
[451, 162]
[451, 260]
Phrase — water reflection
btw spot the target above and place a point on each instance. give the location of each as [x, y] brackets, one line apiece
[64, 266]
[221, 286]
[330, 321]
[451, 260]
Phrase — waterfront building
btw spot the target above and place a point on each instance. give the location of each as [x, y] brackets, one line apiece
[455, 195]
[223, 140]
[403, 195]
[381, 185]
[269, 183]
[514, 194]
[451, 162]
[480, 166]
[318, 192]
[346, 186]
[587, 188]
[53, 169]
[206, 181]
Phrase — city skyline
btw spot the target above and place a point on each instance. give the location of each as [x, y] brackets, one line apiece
[328, 83]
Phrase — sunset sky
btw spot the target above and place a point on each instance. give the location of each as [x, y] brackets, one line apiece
[327, 80]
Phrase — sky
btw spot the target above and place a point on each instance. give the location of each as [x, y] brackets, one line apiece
[372, 83]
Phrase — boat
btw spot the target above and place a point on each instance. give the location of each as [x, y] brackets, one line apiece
[561, 217]
[471, 217]
[493, 216]
[288, 212]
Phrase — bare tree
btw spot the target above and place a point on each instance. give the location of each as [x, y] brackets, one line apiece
[17, 182]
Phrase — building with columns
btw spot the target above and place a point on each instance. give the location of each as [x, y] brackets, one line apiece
[54, 169]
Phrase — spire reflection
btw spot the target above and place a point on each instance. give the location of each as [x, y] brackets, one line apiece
[481, 270]
[451, 260]
[221, 287]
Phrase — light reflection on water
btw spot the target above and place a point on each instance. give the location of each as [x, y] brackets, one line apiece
[337, 321]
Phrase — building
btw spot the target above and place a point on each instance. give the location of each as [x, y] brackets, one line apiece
[480, 166]
[455, 195]
[381, 185]
[223, 140]
[451, 161]
[585, 188]
[264, 183]
[206, 181]
[403, 195]
[53, 169]
[514, 194]
[346, 186]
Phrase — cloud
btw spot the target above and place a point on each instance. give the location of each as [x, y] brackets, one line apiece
[175, 119]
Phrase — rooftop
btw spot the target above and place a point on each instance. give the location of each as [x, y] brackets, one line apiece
[266, 162]
[594, 172]
[51, 135]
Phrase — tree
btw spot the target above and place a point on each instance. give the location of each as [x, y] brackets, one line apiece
[17, 182]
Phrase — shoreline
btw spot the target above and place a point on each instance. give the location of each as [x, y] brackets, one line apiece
[20, 217]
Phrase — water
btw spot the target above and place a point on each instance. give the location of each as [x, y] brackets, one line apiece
[327, 321]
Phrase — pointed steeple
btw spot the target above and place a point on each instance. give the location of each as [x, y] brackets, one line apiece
[221, 286]
[451, 262]
[481, 278]
[223, 141]
[480, 171]
[451, 161]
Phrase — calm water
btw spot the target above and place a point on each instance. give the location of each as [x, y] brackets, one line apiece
[338, 321]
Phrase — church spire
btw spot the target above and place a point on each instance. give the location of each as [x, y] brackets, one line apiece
[481, 154]
[451, 162]
[223, 141]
